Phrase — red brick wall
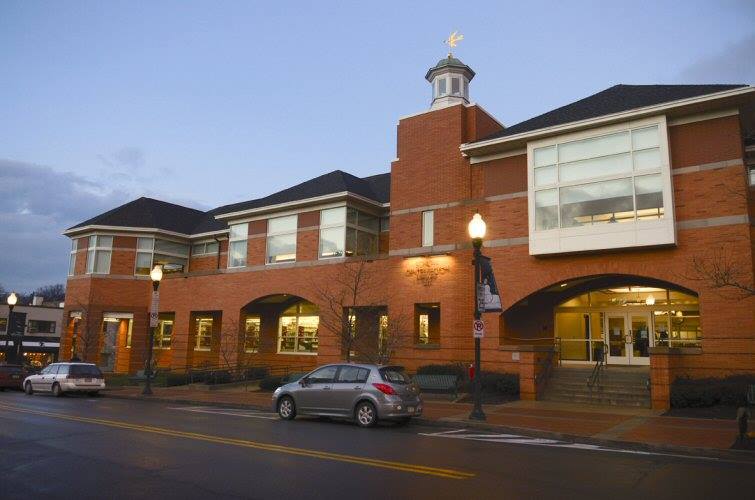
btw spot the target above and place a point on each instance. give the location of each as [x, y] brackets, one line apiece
[706, 141]
[505, 176]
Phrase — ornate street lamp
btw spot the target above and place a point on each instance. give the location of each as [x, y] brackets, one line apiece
[155, 275]
[12, 300]
[476, 230]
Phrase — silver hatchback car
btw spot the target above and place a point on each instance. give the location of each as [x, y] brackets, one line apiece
[365, 393]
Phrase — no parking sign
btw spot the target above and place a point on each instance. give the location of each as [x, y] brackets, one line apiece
[478, 328]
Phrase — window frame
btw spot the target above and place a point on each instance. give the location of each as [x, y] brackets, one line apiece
[159, 340]
[288, 232]
[94, 251]
[299, 314]
[152, 251]
[356, 227]
[37, 322]
[72, 257]
[204, 251]
[247, 320]
[423, 309]
[428, 240]
[197, 337]
[638, 232]
[238, 240]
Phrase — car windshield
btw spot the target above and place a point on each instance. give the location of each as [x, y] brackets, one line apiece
[394, 375]
[86, 371]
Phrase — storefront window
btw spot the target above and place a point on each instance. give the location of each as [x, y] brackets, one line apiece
[164, 331]
[204, 334]
[297, 329]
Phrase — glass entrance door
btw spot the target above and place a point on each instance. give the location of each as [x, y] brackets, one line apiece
[628, 338]
[640, 339]
[616, 333]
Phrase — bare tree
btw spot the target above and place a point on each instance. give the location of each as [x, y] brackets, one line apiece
[354, 302]
[52, 293]
[86, 334]
[721, 270]
[229, 345]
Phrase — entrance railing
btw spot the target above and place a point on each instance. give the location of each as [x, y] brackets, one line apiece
[600, 365]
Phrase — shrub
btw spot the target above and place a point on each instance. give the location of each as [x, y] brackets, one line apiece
[496, 383]
[218, 377]
[256, 373]
[172, 379]
[270, 383]
[697, 393]
[449, 369]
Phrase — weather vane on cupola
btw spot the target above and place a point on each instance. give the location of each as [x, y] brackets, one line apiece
[452, 40]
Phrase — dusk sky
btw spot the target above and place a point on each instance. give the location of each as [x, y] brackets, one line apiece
[208, 103]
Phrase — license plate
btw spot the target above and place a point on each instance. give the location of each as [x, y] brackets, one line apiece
[410, 409]
[15, 377]
[87, 380]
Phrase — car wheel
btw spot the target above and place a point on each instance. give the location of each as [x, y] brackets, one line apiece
[27, 389]
[287, 408]
[366, 415]
[56, 391]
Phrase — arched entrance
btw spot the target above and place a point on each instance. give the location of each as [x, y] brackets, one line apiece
[624, 315]
[280, 324]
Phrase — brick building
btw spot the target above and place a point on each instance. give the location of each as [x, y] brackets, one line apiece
[603, 219]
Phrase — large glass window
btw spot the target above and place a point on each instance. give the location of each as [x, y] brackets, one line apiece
[252, 334]
[72, 257]
[238, 236]
[345, 231]
[98, 254]
[297, 329]
[599, 180]
[38, 326]
[150, 252]
[206, 248]
[281, 239]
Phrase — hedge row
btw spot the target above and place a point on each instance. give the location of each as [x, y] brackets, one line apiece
[492, 382]
[703, 392]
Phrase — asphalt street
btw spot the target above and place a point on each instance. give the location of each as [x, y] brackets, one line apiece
[82, 447]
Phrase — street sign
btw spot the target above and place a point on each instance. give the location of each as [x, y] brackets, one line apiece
[478, 329]
[154, 309]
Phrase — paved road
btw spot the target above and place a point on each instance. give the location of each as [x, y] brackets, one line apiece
[80, 447]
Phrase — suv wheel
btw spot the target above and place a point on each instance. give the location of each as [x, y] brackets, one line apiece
[287, 408]
[27, 389]
[366, 415]
[56, 391]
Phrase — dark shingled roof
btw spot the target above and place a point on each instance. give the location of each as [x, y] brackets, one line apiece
[149, 213]
[330, 183]
[612, 100]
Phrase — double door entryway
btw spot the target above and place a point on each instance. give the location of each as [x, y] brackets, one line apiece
[628, 337]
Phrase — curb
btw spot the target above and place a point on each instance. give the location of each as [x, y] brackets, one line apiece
[446, 423]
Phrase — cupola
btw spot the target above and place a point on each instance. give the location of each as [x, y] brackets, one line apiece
[450, 79]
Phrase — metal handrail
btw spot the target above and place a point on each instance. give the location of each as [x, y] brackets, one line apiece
[546, 367]
[599, 365]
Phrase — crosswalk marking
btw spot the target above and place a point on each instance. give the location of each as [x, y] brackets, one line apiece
[212, 410]
[491, 437]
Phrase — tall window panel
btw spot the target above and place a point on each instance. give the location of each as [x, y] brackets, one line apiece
[428, 228]
[99, 253]
[171, 255]
[72, 257]
[237, 245]
[281, 239]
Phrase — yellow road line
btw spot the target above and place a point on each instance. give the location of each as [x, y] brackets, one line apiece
[371, 462]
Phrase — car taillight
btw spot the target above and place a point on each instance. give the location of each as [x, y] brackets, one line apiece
[385, 389]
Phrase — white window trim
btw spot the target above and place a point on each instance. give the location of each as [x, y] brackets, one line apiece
[161, 325]
[152, 253]
[259, 334]
[348, 225]
[97, 248]
[204, 246]
[72, 257]
[297, 353]
[232, 240]
[638, 233]
[294, 231]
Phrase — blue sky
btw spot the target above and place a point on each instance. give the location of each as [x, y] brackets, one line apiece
[207, 103]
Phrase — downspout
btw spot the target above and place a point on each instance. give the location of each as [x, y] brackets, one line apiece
[217, 264]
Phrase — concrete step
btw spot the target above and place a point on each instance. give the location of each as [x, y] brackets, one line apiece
[561, 387]
[598, 400]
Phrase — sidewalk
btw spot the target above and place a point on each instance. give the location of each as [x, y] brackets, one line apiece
[609, 425]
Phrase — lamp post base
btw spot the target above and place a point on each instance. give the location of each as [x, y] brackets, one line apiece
[478, 414]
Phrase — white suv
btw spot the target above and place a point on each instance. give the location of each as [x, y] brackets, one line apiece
[58, 378]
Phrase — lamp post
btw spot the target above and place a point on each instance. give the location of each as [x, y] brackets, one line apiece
[12, 300]
[476, 230]
[156, 275]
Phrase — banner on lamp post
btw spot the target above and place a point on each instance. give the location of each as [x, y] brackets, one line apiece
[489, 299]
[154, 308]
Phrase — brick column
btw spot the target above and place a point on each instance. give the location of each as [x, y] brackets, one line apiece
[665, 365]
[531, 359]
